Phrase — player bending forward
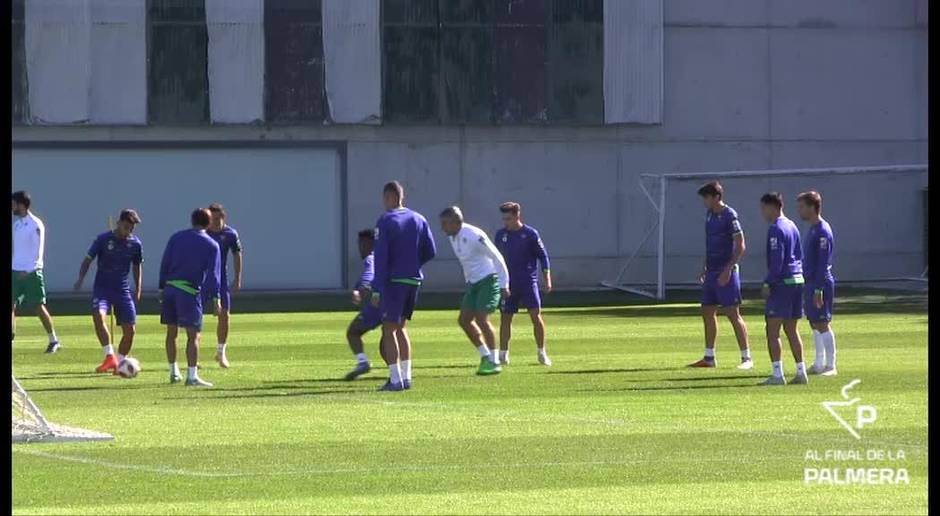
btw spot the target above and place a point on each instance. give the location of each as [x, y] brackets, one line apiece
[29, 287]
[721, 284]
[228, 241]
[820, 283]
[190, 263]
[369, 317]
[116, 252]
[783, 288]
[522, 248]
[403, 244]
[487, 280]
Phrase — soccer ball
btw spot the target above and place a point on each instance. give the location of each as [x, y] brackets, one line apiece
[129, 367]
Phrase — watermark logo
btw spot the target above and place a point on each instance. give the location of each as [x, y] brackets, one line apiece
[864, 414]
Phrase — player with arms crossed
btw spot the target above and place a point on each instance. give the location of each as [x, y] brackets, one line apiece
[721, 283]
[783, 288]
[820, 283]
[228, 241]
[116, 252]
[369, 317]
[190, 268]
[522, 248]
[29, 286]
[487, 281]
[403, 244]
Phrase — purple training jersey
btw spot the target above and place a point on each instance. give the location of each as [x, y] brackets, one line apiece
[368, 273]
[720, 229]
[817, 255]
[191, 259]
[784, 253]
[523, 250]
[403, 244]
[115, 257]
[228, 242]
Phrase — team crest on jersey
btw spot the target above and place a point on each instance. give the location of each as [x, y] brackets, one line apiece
[376, 232]
[505, 238]
[773, 243]
[823, 243]
[110, 245]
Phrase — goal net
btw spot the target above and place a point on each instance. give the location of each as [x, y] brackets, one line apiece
[29, 425]
[878, 215]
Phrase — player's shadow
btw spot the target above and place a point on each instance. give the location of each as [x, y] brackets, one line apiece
[112, 387]
[705, 378]
[675, 388]
[271, 394]
[65, 374]
[616, 370]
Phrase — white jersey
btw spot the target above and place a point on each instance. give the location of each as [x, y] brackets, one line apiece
[478, 256]
[29, 238]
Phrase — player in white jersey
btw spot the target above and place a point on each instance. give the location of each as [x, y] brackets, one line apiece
[487, 282]
[29, 286]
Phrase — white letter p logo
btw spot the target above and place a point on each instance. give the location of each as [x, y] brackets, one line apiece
[865, 415]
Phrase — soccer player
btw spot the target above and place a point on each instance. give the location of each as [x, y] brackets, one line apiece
[29, 287]
[228, 241]
[487, 281]
[190, 267]
[522, 249]
[116, 251]
[820, 283]
[403, 244]
[369, 317]
[783, 288]
[721, 285]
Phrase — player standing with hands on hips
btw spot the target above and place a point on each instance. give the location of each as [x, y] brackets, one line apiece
[228, 241]
[188, 272]
[29, 286]
[522, 248]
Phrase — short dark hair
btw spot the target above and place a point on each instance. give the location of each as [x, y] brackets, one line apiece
[217, 208]
[711, 189]
[510, 207]
[452, 212]
[201, 217]
[129, 215]
[773, 199]
[367, 234]
[22, 197]
[394, 187]
[811, 198]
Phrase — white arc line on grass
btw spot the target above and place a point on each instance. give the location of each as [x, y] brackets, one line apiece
[115, 465]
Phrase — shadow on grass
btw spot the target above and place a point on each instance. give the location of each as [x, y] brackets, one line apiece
[113, 387]
[271, 394]
[616, 370]
[703, 378]
[676, 388]
[54, 375]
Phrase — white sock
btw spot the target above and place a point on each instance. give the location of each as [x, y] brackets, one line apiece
[829, 342]
[191, 372]
[394, 373]
[221, 347]
[361, 357]
[108, 350]
[504, 355]
[494, 356]
[801, 368]
[820, 350]
[121, 358]
[484, 351]
[778, 368]
[406, 369]
[53, 338]
[710, 352]
[174, 369]
[745, 354]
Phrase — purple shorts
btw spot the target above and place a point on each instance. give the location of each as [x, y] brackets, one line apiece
[814, 314]
[225, 297]
[714, 294]
[527, 296]
[369, 317]
[181, 309]
[785, 302]
[125, 311]
[398, 302]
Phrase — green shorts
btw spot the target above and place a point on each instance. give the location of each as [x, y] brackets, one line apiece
[482, 296]
[28, 290]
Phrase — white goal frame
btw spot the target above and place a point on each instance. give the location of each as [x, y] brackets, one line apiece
[32, 426]
[659, 206]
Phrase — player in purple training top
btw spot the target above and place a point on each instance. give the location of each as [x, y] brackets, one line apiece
[369, 317]
[228, 241]
[783, 288]
[190, 268]
[820, 283]
[403, 244]
[721, 283]
[522, 248]
[118, 253]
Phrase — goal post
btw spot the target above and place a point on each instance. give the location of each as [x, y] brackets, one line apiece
[678, 223]
[29, 424]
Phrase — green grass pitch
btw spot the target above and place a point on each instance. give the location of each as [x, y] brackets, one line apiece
[618, 425]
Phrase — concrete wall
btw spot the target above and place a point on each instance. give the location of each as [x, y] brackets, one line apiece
[748, 85]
